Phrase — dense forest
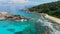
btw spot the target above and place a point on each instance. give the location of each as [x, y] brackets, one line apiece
[52, 9]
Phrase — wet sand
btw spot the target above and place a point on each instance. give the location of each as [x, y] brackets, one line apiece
[54, 19]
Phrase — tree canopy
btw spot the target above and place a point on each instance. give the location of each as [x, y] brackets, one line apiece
[52, 9]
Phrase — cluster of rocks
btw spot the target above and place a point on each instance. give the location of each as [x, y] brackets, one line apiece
[56, 26]
[6, 16]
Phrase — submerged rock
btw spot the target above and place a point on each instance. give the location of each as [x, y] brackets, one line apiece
[56, 26]
[18, 32]
[48, 30]
[11, 30]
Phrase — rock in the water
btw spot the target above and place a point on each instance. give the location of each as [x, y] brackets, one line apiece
[11, 30]
[56, 26]
[7, 16]
[18, 32]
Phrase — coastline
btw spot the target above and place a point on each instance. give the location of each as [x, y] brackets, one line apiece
[54, 19]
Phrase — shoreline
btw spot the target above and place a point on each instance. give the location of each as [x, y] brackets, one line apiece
[53, 19]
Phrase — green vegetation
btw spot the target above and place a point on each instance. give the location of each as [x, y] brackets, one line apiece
[52, 9]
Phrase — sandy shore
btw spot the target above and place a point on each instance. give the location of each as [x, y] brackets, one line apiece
[54, 19]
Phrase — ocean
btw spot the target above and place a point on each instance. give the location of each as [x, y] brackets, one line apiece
[37, 25]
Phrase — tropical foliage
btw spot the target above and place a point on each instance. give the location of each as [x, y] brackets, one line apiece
[52, 9]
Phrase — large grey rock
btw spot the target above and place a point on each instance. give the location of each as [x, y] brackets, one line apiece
[7, 16]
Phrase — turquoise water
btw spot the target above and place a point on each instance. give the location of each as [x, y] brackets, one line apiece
[11, 27]
[37, 25]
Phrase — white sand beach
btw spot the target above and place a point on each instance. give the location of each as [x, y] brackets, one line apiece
[54, 19]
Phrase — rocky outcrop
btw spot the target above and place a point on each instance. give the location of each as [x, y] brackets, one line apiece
[6, 16]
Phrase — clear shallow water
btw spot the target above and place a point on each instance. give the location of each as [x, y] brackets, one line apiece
[37, 25]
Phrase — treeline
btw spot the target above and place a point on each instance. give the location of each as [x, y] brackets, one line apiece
[52, 9]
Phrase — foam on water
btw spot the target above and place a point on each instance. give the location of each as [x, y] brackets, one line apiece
[49, 24]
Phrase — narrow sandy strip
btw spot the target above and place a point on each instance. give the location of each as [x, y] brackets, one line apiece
[54, 19]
